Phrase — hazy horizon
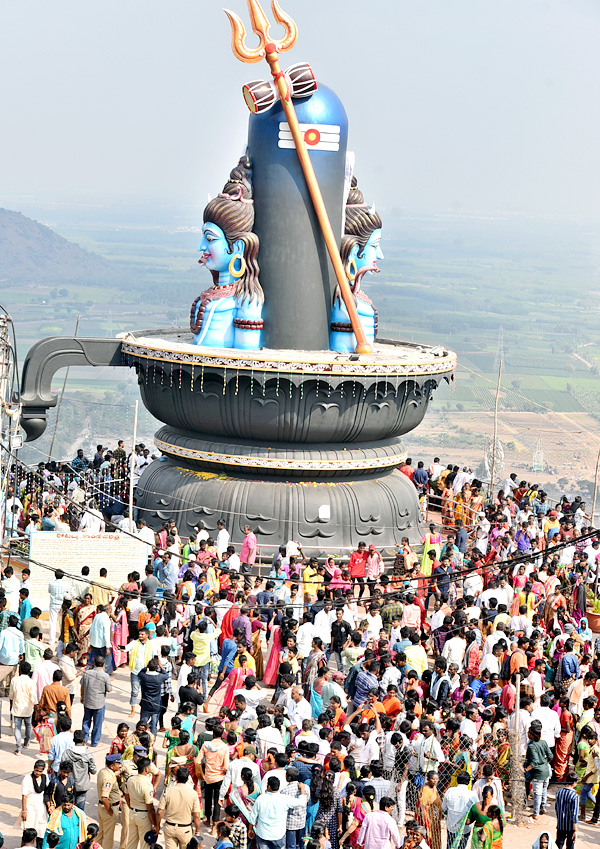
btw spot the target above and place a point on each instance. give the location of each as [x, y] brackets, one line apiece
[452, 106]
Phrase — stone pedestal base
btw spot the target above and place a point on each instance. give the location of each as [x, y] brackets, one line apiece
[325, 515]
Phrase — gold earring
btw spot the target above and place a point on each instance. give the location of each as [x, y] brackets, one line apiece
[242, 268]
[351, 270]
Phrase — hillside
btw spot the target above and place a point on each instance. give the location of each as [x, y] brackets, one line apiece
[30, 252]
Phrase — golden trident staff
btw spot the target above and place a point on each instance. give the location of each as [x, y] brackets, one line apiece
[270, 50]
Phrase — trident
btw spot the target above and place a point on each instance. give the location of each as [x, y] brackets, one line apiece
[270, 49]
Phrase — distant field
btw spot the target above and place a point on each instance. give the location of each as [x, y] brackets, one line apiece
[460, 282]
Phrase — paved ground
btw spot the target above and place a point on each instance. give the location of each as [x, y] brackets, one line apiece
[13, 767]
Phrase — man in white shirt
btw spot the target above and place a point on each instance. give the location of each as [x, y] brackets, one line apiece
[504, 593]
[549, 720]
[509, 484]
[490, 780]
[468, 726]
[520, 623]
[428, 750]
[222, 539]
[484, 597]
[234, 772]
[201, 532]
[250, 692]
[350, 613]
[233, 559]
[364, 748]
[13, 501]
[593, 555]
[526, 708]
[492, 661]
[146, 534]
[279, 772]
[437, 620]
[222, 606]
[435, 470]
[267, 737]
[304, 636]
[472, 612]
[537, 682]
[454, 650]
[524, 514]
[299, 709]
[495, 637]
[482, 533]
[284, 699]
[457, 801]
[92, 520]
[473, 584]
[23, 699]
[57, 589]
[322, 623]
[292, 549]
[11, 586]
[460, 480]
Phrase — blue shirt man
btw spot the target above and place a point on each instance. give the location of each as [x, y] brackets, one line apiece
[228, 652]
[365, 682]
[569, 662]
[24, 609]
[157, 565]
[420, 477]
[12, 644]
[461, 537]
[269, 813]
[266, 598]
[59, 745]
[169, 576]
[443, 575]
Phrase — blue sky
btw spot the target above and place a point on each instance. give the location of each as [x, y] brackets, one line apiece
[488, 105]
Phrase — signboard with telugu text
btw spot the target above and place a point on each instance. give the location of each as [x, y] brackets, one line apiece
[120, 554]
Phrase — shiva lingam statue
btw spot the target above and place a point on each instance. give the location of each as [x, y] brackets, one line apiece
[282, 410]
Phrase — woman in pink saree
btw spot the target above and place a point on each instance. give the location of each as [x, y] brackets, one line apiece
[223, 697]
[119, 633]
[272, 667]
[162, 537]
[83, 624]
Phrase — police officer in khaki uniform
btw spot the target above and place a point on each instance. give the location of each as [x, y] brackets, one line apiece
[109, 797]
[140, 799]
[179, 807]
[128, 769]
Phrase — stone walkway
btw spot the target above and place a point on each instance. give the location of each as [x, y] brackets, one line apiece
[13, 767]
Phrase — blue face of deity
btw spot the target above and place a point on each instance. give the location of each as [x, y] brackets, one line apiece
[367, 258]
[214, 250]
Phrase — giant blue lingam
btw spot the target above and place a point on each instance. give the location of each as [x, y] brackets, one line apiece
[281, 408]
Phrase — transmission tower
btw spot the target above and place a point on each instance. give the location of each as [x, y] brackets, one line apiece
[538, 457]
[499, 350]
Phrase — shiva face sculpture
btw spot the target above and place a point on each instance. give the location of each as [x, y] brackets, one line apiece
[230, 314]
[360, 252]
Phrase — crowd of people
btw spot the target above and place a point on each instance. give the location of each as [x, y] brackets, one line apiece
[373, 701]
